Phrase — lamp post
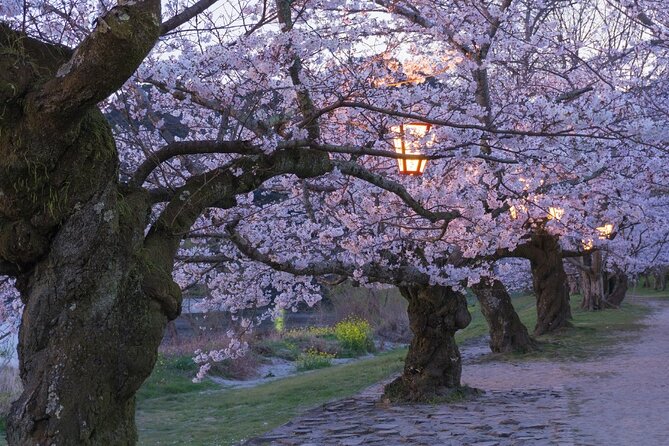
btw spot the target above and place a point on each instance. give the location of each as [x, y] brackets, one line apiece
[407, 143]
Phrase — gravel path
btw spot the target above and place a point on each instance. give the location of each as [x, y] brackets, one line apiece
[620, 399]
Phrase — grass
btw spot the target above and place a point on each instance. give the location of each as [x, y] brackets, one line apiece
[172, 376]
[224, 417]
[592, 332]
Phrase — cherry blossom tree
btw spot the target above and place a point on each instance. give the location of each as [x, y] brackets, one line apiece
[133, 134]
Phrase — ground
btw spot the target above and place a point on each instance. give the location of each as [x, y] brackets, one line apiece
[599, 383]
[614, 398]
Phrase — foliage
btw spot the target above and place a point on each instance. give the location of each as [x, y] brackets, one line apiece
[314, 359]
[355, 336]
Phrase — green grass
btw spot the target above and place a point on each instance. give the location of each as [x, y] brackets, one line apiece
[223, 417]
[172, 376]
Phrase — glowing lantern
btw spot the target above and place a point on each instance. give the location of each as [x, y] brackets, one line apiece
[407, 143]
[514, 212]
[587, 244]
[605, 231]
[555, 213]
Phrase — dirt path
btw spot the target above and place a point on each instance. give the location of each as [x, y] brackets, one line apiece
[620, 399]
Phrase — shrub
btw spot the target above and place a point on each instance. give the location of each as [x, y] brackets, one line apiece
[355, 336]
[313, 359]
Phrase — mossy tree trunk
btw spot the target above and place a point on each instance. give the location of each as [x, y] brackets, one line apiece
[601, 289]
[507, 332]
[97, 287]
[433, 365]
[89, 334]
[74, 238]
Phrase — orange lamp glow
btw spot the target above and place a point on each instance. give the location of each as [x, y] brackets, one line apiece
[555, 213]
[407, 143]
[605, 231]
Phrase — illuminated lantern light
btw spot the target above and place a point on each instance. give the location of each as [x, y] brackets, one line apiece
[407, 143]
[514, 212]
[605, 231]
[555, 213]
[587, 244]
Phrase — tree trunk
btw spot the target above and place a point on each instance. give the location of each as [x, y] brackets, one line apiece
[592, 281]
[433, 365]
[89, 335]
[617, 285]
[507, 332]
[550, 284]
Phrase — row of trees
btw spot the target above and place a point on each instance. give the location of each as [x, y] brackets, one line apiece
[147, 147]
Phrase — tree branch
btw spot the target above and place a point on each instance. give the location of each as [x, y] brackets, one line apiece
[355, 170]
[403, 275]
[101, 63]
[185, 15]
[188, 148]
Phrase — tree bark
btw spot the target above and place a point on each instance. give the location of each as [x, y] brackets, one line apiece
[89, 336]
[550, 284]
[617, 284]
[592, 281]
[507, 332]
[96, 299]
[433, 365]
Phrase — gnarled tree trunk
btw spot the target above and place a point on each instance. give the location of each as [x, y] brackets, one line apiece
[507, 332]
[433, 365]
[94, 314]
[616, 289]
[550, 283]
[89, 334]
[592, 281]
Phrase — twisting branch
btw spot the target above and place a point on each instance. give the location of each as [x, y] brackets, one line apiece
[304, 101]
[101, 63]
[355, 170]
[403, 275]
[189, 148]
[216, 188]
[185, 15]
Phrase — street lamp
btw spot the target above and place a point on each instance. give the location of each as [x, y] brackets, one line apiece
[407, 143]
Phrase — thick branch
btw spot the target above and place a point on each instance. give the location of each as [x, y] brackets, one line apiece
[404, 275]
[24, 61]
[188, 148]
[101, 63]
[219, 187]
